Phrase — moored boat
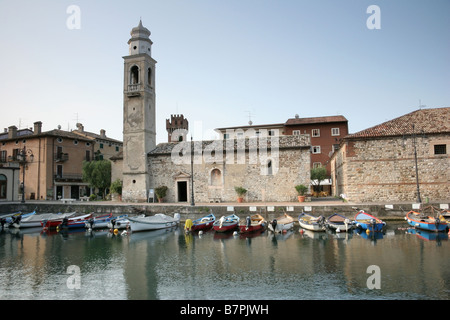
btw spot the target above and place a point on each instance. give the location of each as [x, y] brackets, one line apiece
[425, 222]
[252, 223]
[65, 222]
[119, 222]
[155, 222]
[98, 222]
[338, 223]
[311, 223]
[368, 222]
[35, 221]
[281, 224]
[204, 223]
[225, 224]
[17, 218]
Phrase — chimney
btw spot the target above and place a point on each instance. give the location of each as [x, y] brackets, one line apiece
[102, 133]
[12, 132]
[80, 127]
[38, 127]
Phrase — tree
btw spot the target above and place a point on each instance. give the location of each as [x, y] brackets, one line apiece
[319, 174]
[97, 174]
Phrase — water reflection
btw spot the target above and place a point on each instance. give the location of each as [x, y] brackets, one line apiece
[169, 264]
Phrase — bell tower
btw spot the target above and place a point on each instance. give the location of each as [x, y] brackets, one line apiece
[139, 131]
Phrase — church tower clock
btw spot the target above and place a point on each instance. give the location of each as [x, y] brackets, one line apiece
[139, 132]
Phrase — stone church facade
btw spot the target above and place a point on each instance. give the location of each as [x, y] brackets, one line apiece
[268, 167]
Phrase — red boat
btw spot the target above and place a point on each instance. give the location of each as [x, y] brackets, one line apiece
[225, 224]
[252, 224]
[75, 222]
[204, 223]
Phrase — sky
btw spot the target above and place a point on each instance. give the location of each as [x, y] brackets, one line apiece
[223, 63]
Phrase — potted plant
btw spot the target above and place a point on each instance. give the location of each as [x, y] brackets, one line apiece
[240, 192]
[161, 193]
[301, 189]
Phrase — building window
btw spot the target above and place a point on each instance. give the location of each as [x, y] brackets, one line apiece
[3, 186]
[440, 149]
[134, 75]
[3, 156]
[316, 149]
[335, 132]
[269, 168]
[226, 136]
[296, 132]
[149, 76]
[316, 132]
[317, 165]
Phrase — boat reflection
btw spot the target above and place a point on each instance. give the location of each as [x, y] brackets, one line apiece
[427, 235]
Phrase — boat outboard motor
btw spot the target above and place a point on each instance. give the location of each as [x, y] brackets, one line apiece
[274, 224]
[249, 222]
[3, 221]
[91, 222]
[113, 223]
[65, 222]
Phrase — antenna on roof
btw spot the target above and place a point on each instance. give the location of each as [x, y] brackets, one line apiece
[421, 105]
[250, 122]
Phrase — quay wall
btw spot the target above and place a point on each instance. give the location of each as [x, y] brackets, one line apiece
[268, 211]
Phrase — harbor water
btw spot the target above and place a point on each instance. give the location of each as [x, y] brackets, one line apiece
[168, 264]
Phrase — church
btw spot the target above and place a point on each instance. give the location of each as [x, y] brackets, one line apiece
[267, 166]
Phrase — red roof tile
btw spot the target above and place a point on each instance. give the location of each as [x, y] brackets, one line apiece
[299, 121]
[425, 121]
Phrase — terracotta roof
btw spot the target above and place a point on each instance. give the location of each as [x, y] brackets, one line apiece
[299, 121]
[425, 121]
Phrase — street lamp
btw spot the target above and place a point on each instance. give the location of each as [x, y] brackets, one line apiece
[192, 174]
[22, 159]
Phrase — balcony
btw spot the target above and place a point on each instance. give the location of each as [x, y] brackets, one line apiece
[61, 157]
[68, 177]
[134, 90]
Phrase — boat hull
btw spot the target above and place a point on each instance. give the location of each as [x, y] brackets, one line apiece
[156, 222]
[426, 224]
[72, 223]
[338, 222]
[311, 223]
[281, 224]
[203, 224]
[366, 221]
[254, 223]
[226, 224]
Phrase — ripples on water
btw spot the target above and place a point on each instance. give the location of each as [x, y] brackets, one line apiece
[170, 265]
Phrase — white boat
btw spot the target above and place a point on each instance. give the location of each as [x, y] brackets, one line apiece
[339, 223]
[311, 223]
[158, 221]
[34, 221]
[120, 222]
[281, 224]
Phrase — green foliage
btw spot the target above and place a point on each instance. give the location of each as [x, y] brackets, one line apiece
[319, 174]
[97, 174]
[161, 192]
[116, 186]
[240, 191]
[301, 189]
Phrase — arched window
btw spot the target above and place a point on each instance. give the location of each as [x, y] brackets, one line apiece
[3, 186]
[269, 168]
[134, 75]
[216, 177]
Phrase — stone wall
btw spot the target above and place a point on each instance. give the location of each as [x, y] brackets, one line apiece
[269, 168]
[384, 169]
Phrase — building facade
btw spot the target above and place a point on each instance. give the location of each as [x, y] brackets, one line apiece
[269, 167]
[378, 164]
[53, 167]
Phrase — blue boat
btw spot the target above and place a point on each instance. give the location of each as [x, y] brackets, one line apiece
[427, 223]
[368, 222]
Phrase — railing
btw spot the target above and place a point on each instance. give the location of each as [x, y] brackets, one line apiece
[59, 157]
[134, 90]
[68, 177]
